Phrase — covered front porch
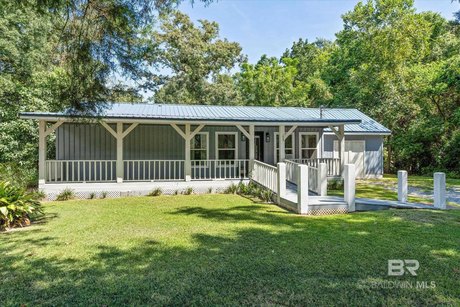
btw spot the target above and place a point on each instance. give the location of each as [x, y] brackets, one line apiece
[121, 152]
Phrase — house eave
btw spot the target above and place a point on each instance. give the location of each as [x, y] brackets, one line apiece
[167, 120]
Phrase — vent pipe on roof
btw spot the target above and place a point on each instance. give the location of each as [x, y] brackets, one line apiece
[321, 111]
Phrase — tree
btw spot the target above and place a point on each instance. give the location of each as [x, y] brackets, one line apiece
[272, 83]
[391, 63]
[197, 60]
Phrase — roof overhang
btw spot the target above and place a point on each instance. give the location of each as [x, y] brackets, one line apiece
[361, 133]
[152, 120]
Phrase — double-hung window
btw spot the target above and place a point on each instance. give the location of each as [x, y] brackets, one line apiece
[199, 146]
[226, 145]
[288, 147]
[308, 145]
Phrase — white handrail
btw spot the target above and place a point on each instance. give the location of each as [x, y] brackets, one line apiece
[150, 170]
[266, 175]
[220, 169]
[291, 171]
[332, 164]
[313, 175]
[80, 170]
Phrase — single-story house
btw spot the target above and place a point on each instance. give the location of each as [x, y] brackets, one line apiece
[166, 142]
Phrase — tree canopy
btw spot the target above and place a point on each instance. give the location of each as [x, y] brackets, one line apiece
[397, 65]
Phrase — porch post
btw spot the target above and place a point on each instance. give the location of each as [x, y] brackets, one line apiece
[349, 186]
[120, 167]
[281, 142]
[251, 147]
[188, 163]
[342, 148]
[281, 181]
[41, 152]
[322, 179]
[302, 189]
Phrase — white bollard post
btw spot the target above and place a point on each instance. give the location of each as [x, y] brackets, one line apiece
[322, 180]
[349, 186]
[302, 188]
[281, 191]
[402, 186]
[440, 190]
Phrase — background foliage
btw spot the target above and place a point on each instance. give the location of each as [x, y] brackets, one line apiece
[399, 66]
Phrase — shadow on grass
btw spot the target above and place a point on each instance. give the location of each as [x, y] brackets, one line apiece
[273, 259]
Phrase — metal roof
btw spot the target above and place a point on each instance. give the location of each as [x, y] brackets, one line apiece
[354, 120]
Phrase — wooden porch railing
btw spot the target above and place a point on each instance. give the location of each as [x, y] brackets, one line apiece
[58, 171]
[80, 170]
[266, 175]
[150, 170]
[220, 169]
[313, 175]
[332, 164]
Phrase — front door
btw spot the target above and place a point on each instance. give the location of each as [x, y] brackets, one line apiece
[258, 146]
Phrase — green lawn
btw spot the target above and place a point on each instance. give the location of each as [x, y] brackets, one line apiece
[225, 249]
[380, 188]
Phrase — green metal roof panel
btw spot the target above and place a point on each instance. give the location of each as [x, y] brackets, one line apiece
[359, 122]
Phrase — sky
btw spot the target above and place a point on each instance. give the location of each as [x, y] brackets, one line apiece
[271, 26]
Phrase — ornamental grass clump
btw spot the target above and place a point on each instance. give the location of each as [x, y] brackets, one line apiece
[17, 206]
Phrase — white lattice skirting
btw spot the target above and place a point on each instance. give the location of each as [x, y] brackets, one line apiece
[114, 190]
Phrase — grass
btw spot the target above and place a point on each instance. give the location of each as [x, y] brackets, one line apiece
[225, 250]
[381, 188]
[422, 182]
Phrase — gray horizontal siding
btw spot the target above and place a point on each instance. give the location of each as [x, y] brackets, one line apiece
[373, 156]
[149, 142]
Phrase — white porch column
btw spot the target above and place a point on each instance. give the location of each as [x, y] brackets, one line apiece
[281, 189]
[187, 136]
[281, 142]
[349, 186]
[402, 186]
[188, 163]
[322, 180]
[251, 147]
[342, 148]
[440, 190]
[41, 152]
[302, 189]
[119, 135]
[119, 165]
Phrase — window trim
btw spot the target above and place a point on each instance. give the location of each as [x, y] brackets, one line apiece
[276, 135]
[207, 145]
[301, 134]
[217, 144]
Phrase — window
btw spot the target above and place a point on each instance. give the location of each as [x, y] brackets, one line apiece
[288, 147]
[226, 145]
[308, 145]
[199, 146]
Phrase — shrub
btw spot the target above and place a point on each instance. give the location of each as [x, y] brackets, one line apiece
[335, 184]
[24, 176]
[104, 194]
[92, 195]
[176, 192]
[266, 195]
[155, 192]
[39, 194]
[188, 191]
[16, 206]
[66, 194]
[232, 189]
[210, 191]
